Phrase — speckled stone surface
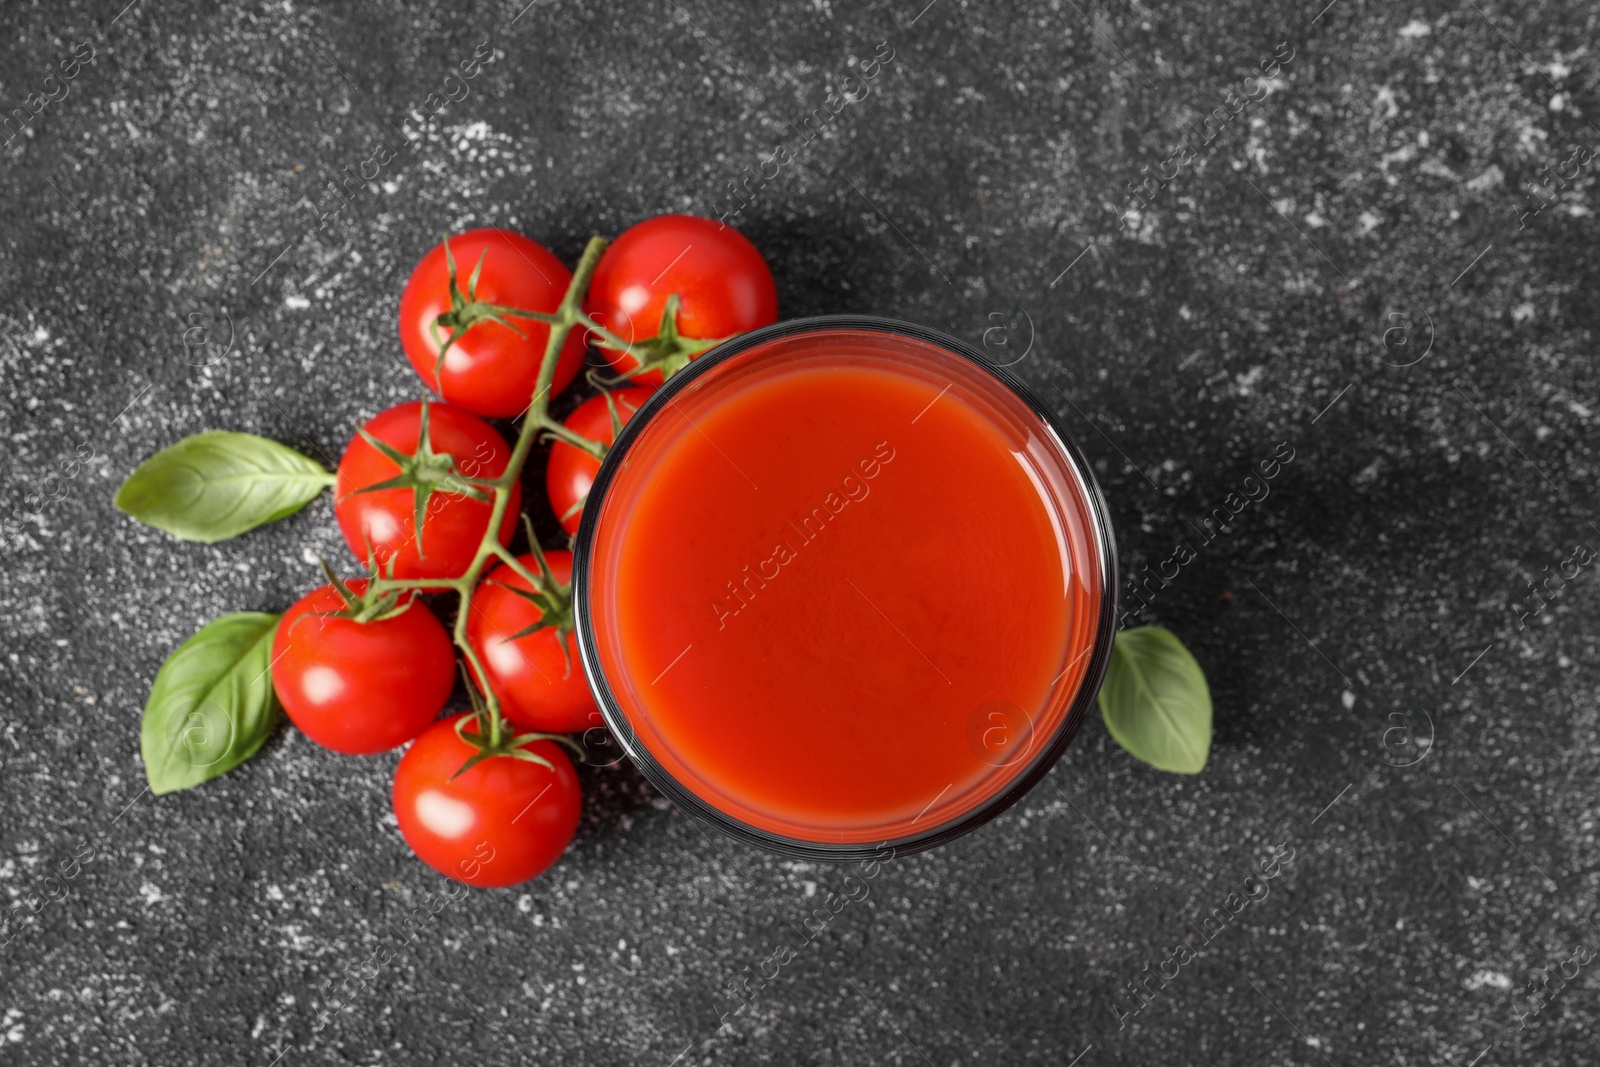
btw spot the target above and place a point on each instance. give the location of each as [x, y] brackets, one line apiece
[1351, 267]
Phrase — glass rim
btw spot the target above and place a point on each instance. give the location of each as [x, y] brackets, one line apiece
[680, 794]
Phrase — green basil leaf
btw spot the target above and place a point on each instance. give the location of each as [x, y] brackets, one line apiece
[1155, 701]
[216, 485]
[212, 705]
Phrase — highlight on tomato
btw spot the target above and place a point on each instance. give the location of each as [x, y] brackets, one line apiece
[460, 330]
[673, 286]
[361, 674]
[406, 495]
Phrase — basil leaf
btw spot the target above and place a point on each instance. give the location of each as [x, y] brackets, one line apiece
[216, 485]
[1155, 701]
[212, 705]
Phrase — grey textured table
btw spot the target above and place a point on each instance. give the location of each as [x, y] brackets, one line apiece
[1350, 266]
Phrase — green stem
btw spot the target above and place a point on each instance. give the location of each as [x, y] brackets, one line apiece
[536, 420]
[382, 585]
[521, 313]
[509, 558]
[609, 339]
[571, 437]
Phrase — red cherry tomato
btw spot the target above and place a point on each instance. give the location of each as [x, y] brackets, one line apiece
[453, 524]
[720, 278]
[570, 471]
[360, 687]
[499, 823]
[539, 687]
[490, 369]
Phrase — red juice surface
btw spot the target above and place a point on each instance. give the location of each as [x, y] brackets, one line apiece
[844, 587]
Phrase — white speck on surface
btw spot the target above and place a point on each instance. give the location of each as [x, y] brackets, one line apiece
[1385, 103]
[1415, 28]
[1491, 178]
[1480, 979]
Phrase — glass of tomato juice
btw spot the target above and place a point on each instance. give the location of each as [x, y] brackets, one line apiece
[843, 586]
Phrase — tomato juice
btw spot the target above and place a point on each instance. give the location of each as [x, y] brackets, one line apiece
[841, 584]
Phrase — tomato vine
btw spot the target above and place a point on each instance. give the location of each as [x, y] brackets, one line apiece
[536, 421]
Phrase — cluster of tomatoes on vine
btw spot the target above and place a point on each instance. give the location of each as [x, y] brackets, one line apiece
[363, 666]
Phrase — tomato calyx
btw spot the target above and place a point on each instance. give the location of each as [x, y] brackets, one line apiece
[466, 311]
[424, 472]
[597, 449]
[508, 748]
[553, 599]
[373, 603]
[488, 742]
[668, 351]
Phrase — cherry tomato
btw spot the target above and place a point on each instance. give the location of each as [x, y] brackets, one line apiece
[360, 687]
[499, 823]
[493, 366]
[720, 278]
[540, 687]
[570, 471]
[453, 523]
